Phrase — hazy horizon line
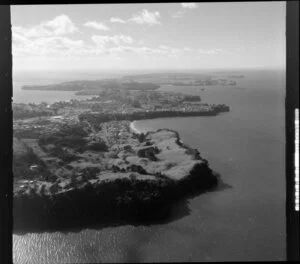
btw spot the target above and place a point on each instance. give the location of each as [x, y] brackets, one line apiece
[148, 69]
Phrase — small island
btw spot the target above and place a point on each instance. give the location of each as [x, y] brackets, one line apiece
[84, 159]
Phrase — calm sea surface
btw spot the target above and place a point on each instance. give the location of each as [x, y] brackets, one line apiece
[243, 222]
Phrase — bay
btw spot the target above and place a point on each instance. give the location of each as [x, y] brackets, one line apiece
[243, 222]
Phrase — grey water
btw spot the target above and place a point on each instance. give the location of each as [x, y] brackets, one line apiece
[245, 222]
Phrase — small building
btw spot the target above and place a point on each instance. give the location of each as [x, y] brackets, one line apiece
[34, 167]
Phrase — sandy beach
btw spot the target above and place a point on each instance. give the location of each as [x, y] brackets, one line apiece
[133, 128]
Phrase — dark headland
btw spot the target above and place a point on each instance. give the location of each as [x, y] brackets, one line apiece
[81, 160]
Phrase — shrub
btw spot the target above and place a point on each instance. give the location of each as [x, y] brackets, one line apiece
[22, 163]
[141, 137]
[73, 181]
[132, 177]
[192, 98]
[54, 188]
[147, 152]
[71, 136]
[193, 152]
[128, 148]
[112, 154]
[136, 104]
[71, 141]
[90, 172]
[50, 178]
[62, 154]
[152, 157]
[27, 133]
[169, 165]
[148, 143]
[98, 146]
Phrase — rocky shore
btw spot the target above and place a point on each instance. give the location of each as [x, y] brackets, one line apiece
[156, 169]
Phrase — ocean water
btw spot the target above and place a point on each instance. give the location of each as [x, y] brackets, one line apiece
[245, 221]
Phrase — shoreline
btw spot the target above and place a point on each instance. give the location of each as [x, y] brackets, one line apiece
[136, 131]
[133, 128]
[132, 188]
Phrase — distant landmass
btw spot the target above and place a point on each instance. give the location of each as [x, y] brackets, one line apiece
[145, 82]
[236, 76]
[92, 85]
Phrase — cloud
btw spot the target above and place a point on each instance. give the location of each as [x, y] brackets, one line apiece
[41, 46]
[144, 17]
[116, 39]
[189, 5]
[45, 38]
[18, 36]
[181, 13]
[147, 50]
[62, 46]
[120, 49]
[161, 51]
[164, 47]
[211, 51]
[37, 31]
[96, 25]
[144, 51]
[187, 49]
[117, 20]
[60, 25]
[178, 14]
[50, 39]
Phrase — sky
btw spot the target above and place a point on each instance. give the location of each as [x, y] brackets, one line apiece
[149, 36]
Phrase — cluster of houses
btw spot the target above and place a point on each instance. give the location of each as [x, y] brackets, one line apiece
[116, 131]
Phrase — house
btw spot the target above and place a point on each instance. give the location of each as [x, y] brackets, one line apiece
[33, 167]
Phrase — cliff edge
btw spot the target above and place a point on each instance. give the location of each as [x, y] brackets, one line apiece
[154, 169]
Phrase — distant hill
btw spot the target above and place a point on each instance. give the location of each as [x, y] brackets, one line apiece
[93, 85]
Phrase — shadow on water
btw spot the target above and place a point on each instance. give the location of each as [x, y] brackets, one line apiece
[169, 211]
[178, 210]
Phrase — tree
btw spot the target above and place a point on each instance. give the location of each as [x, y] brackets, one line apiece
[136, 104]
[142, 137]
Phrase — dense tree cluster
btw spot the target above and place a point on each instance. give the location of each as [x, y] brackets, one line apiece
[149, 153]
[27, 133]
[192, 98]
[63, 154]
[98, 146]
[71, 136]
[22, 113]
[22, 164]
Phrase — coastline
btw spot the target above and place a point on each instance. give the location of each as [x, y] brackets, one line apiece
[204, 212]
[136, 131]
[144, 178]
[133, 127]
